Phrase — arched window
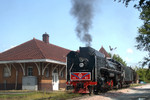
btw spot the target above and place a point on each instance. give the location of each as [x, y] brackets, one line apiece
[47, 72]
[62, 74]
[6, 72]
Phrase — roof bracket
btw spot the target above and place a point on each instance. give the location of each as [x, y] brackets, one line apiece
[23, 69]
[44, 69]
[54, 68]
[38, 67]
[61, 70]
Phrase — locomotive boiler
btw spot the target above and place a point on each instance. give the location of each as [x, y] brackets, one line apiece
[88, 70]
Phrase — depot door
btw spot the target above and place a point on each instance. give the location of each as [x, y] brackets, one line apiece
[55, 82]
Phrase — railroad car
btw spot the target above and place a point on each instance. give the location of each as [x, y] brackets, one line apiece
[89, 71]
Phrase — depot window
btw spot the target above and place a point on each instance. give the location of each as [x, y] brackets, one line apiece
[7, 71]
[30, 71]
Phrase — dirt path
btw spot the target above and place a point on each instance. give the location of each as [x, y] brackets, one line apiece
[135, 93]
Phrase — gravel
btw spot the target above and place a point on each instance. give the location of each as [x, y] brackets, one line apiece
[133, 93]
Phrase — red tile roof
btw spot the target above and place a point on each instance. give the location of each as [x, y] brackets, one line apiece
[35, 49]
[102, 50]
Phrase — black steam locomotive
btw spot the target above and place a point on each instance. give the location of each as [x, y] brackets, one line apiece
[88, 70]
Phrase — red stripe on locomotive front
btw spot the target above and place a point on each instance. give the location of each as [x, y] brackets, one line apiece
[75, 76]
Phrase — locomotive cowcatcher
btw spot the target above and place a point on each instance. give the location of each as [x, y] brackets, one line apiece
[88, 70]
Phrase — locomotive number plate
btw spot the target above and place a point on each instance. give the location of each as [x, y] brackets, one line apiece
[80, 76]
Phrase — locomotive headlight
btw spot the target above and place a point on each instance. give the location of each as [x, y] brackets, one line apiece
[81, 64]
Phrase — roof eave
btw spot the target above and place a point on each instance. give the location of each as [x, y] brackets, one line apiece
[33, 60]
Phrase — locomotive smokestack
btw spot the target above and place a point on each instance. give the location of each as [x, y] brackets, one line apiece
[83, 10]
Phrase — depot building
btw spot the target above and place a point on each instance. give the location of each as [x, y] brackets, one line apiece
[34, 65]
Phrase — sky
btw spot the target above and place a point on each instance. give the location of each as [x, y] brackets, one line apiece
[113, 25]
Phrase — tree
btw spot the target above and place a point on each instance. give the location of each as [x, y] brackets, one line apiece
[143, 38]
[119, 59]
[144, 75]
[126, 2]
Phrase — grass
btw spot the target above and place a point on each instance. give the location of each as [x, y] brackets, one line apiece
[134, 85]
[59, 95]
[38, 95]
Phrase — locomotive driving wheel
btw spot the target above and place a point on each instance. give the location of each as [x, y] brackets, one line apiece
[95, 90]
[118, 86]
[90, 89]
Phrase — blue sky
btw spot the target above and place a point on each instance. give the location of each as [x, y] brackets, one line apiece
[113, 24]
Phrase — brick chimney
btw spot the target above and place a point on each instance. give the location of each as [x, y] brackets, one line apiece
[46, 38]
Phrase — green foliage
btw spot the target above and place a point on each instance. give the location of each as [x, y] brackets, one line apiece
[126, 2]
[119, 59]
[143, 38]
[144, 74]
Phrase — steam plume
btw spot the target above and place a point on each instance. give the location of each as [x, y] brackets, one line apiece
[83, 10]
